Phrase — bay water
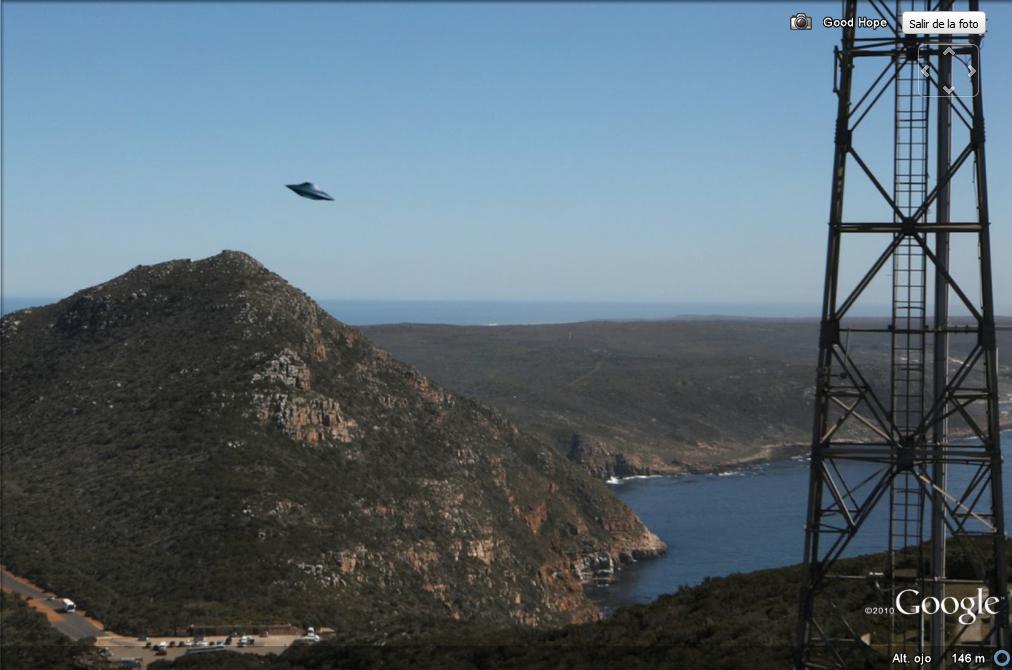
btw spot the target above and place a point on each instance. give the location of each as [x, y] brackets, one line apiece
[736, 521]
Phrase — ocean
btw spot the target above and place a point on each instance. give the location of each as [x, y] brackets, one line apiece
[737, 521]
[507, 312]
[491, 312]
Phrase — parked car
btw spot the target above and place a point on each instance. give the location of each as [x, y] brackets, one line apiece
[309, 638]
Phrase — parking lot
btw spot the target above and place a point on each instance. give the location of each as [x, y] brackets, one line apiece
[77, 625]
[145, 650]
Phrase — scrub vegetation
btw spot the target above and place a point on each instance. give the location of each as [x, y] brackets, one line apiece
[740, 621]
[28, 641]
[643, 397]
[200, 443]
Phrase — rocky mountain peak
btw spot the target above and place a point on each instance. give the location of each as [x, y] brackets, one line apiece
[225, 448]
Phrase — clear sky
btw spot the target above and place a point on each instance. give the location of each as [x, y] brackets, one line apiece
[651, 152]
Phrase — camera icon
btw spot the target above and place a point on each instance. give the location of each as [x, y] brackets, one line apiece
[801, 21]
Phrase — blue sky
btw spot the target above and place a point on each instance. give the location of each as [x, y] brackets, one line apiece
[476, 152]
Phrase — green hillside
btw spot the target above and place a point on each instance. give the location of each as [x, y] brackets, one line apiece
[729, 623]
[644, 397]
[199, 442]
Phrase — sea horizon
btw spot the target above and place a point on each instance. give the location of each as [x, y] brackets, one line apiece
[365, 312]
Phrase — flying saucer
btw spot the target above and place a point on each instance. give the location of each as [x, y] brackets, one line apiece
[309, 190]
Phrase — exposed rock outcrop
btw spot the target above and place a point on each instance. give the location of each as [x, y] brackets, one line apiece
[224, 450]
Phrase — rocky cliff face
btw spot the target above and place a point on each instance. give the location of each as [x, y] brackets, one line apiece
[199, 442]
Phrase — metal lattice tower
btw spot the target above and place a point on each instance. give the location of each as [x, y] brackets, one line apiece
[906, 453]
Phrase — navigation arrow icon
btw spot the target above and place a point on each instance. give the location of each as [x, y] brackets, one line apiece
[948, 51]
[925, 71]
[949, 89]
[972, 69]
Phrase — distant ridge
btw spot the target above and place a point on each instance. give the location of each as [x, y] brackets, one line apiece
[647, 397]
[514, 313]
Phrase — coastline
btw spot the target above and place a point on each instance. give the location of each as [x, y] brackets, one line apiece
[767, 455]
[771, 453]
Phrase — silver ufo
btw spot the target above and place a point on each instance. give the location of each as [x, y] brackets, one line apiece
[309, 190]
